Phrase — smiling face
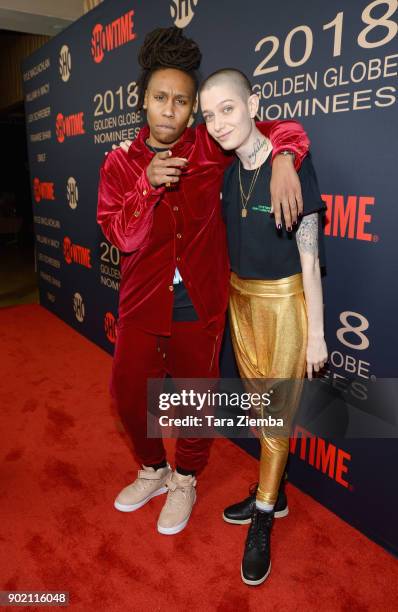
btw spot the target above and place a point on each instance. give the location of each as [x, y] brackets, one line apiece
[169, 101]
[228, 113]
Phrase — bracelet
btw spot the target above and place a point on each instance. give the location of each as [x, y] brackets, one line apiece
[288, 153]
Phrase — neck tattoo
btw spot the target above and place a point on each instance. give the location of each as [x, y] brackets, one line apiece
[259, 145]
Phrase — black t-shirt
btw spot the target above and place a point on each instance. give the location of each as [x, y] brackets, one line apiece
[256, 248]
[183, 309]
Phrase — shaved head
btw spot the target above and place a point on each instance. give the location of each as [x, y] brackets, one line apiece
[229, 76]
[229, 107]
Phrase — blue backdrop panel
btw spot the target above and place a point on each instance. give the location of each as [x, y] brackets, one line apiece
[333, 66]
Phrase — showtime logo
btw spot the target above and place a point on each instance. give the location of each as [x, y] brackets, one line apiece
[74, 253]
[42, 191]
[72, 192]
[110, 327]
[182, 12]
[72, 125]
[78, 307]
[115, 34]
[64, 63]
[349, 217]
[321, 455]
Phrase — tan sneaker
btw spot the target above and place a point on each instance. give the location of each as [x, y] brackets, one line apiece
[179, 503]
[149, 483]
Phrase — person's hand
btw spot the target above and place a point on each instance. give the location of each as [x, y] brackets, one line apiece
[286, 194]
[164, 169]
[125, 145]
[317, 354]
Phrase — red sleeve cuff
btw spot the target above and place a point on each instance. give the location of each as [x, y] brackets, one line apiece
[147, 196]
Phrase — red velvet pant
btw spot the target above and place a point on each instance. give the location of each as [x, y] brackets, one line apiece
[190, 352]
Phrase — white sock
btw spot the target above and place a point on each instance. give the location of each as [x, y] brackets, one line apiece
[264, 506]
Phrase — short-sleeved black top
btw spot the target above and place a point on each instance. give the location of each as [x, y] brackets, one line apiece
[256, 248]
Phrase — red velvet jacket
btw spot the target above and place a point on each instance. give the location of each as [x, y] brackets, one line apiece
[160, 229]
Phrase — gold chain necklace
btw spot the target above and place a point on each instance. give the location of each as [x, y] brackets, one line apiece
[245, 198]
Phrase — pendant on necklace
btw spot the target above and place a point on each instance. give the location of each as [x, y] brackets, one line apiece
[244, 213]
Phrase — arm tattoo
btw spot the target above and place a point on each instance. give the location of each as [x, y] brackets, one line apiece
[307, 234]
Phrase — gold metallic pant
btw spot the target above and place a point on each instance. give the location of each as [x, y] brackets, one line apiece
[269, 335]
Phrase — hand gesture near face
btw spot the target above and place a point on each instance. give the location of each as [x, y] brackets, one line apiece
[165, 169]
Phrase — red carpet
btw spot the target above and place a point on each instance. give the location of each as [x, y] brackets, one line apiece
[63, 462]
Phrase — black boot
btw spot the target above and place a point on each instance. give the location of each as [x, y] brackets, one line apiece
[256, 562]
[240, 513]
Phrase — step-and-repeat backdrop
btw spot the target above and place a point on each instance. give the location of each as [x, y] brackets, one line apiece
[331, 65]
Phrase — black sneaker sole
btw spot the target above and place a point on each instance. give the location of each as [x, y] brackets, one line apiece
[282, 513]
[279, 514]
[236, 521]
[255, 582]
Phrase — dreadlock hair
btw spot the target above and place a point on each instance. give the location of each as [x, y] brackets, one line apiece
[167, 48]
